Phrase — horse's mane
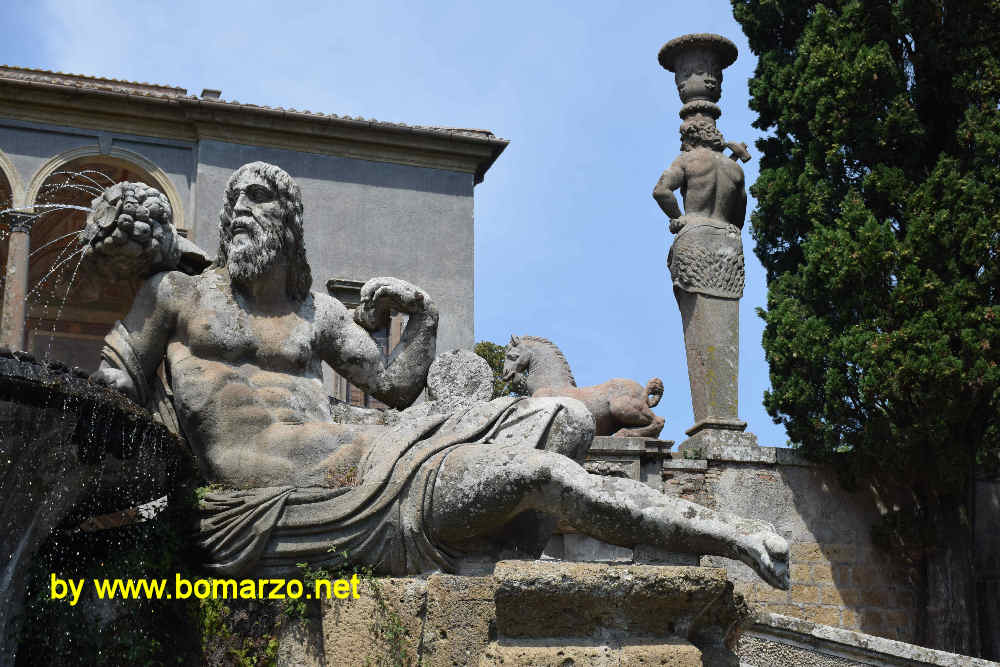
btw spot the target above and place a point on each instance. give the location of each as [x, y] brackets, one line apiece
[556, 354]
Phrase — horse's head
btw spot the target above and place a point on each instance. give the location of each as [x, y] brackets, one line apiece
[516, 360]
[532, 362]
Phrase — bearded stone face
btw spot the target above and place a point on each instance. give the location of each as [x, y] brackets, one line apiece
[260, 226]
[255, 235]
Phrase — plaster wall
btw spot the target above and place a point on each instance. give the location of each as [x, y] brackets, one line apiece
[30, 146]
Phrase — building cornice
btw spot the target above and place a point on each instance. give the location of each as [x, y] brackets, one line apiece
[169, 113]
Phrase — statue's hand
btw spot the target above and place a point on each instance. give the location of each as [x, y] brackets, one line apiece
[381, 296]
[676, 225]
[130, 233]
[115, 378]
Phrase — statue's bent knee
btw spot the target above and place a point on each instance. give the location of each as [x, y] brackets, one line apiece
[572, 429]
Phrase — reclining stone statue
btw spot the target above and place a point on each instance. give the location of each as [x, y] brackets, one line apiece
[232, 358]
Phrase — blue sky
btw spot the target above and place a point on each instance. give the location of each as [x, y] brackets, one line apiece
[569, 242]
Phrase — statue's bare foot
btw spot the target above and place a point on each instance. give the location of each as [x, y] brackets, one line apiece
[767, 553]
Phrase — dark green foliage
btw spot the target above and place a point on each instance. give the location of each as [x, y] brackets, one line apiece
[493, 354]
[878, 223]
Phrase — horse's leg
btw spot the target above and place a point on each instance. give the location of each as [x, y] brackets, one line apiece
[651, 431]
[631, 411]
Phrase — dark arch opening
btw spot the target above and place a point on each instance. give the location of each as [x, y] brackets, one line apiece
[69, 310]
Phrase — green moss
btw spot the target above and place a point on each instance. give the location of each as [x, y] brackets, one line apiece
[242, 633]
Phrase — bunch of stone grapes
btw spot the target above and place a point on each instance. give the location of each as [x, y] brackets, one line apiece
[131, 231]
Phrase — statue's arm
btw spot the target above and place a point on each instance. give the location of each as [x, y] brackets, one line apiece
[663, 193]
[738, 213]
[345, 342]
[148, 327]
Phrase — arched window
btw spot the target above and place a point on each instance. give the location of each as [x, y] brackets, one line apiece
[70, 310]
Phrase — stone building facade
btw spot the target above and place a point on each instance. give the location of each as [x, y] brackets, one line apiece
[380, 198]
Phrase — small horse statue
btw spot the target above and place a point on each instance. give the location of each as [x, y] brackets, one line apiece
[621, 408]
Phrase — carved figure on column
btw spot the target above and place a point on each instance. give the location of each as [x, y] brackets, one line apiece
[706, 259]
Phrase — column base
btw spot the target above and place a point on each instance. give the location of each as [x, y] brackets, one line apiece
[717, 423]
[721, 443]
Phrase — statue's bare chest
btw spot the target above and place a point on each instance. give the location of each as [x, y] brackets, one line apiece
[220, 328]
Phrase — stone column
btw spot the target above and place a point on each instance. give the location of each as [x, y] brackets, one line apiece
[706, 259]
[15, 290]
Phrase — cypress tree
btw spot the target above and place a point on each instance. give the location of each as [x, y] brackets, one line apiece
[878, 223]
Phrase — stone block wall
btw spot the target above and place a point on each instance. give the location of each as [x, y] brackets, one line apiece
[527, 613]
[845, 586]
[838, 577]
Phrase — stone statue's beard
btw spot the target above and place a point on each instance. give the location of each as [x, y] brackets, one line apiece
[248, 260]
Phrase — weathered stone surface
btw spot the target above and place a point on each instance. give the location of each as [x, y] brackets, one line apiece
[727, 445]
[460, 373]
[539, 599]
[775, 640]
[640, 459]
[383, 626]
[655, 651]
[542, 653]
[547, 613]
[300, 643]
[706, 259]
[456, 381]
[460, 619]
[757, 652]
[620, 407]
[15, 287]
[445, 620]
[131, 235]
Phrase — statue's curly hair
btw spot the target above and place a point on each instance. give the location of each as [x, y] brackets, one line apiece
[290, 199]
[695, 133]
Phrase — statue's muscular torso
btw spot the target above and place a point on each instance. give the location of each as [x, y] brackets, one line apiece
[713, 186]
[248, 387]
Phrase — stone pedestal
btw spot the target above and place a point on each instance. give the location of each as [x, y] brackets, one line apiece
[712, 343]
[535, 613]
[715, 441]
[548, 614]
